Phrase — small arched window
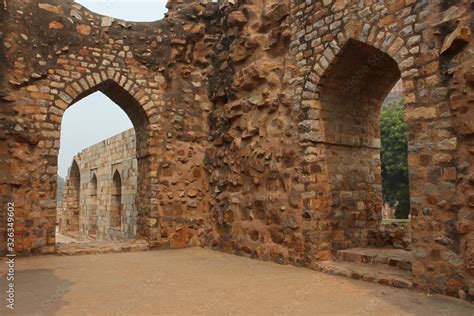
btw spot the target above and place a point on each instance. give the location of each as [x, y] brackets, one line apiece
[94, 185]
[116, 207]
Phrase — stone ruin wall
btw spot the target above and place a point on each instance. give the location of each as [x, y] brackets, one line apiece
[431, 43]
[91, 203]
[76, 53]
[245, 105]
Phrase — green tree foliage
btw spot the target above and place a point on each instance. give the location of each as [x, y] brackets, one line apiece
[394, 156]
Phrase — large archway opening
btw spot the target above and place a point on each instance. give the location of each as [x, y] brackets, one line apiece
[109, 168]
[352, 92]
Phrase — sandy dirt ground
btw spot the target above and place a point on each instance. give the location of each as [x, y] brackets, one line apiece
[201, 282]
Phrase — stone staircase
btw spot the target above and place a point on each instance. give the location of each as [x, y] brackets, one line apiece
[385, 266]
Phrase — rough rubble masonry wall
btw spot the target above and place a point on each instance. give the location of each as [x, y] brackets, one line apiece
[257, 129]
[93, 206]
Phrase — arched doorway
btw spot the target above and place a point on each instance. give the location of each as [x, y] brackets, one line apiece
[102, 191]
[71, 210]
[116, 202]
[92, 207]
[352, 91]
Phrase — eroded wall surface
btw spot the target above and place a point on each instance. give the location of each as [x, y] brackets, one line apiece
[257, 129]
[58, 52]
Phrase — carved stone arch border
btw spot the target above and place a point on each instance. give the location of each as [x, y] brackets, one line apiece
[103, 81]
[112, 82]
[400, 49]
[394, 46]
[117, 168]
[76, 162]
[311, 136]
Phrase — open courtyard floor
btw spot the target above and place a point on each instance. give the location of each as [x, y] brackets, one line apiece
[200, 281]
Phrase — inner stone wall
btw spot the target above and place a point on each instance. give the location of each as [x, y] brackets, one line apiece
[246, 141]
[97, 194]
[58, 52]
[352, 91]
[255, 163]
[425, 40]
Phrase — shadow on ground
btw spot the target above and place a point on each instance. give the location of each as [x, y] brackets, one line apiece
[37, 292]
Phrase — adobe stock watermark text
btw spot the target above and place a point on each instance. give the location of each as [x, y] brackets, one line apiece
[10, 275]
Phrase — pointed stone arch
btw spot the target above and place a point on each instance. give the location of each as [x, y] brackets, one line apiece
[400, 49]
[359, 74]
[92, 215]
[140, 108]
[116, 201]
[94, 185]
[351, 92]
[72, 199]
[351, 75]
[122, 91]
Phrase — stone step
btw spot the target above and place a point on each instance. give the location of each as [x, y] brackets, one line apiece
[398, 258]
[101, 247]
[375, 273]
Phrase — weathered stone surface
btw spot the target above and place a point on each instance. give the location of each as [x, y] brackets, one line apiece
[273, 119]
[237, 18]
[56, 25]
[457, 39]
[83, 29]
[51, 8]
[392, 233]
[106, 21]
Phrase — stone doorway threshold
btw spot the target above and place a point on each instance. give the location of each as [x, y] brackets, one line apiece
[390, 267]
[67, 245]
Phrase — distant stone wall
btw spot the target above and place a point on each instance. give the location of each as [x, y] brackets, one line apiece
[101, 189]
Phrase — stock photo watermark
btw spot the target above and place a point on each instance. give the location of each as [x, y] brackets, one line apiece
[10, 275]
[359, 74]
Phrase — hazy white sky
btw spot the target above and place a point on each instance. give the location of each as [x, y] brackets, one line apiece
[96, 117]
[130, 10]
